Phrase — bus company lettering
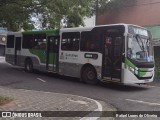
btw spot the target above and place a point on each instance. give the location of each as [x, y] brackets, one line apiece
[71, 56]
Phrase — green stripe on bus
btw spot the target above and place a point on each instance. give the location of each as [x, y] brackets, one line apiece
[129, 63]
[141, 71]
[41, 54]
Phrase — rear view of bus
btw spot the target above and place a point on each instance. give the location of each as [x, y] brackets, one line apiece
[139, 64]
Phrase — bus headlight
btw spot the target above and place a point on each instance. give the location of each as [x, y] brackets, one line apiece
[131, 69]
[136, 72]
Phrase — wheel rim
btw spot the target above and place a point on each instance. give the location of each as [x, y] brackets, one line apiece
[90, 75]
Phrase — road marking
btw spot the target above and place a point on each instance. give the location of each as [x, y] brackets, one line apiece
[143, 102]
[41, 80]
[100, 108]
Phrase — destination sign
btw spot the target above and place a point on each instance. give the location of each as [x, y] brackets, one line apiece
[137, 30]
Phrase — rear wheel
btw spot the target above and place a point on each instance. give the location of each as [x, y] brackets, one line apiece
[29, 65]
[89, 75]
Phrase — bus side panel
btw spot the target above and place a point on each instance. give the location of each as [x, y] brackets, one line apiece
[71, 63]
[69, 69]
[9, 52]
[27, 54]
[2, 50]
[94, 59]
[9, 55]
[53, 62]
[38, 59]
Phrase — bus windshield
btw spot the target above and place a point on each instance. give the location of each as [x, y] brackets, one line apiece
[139, 48]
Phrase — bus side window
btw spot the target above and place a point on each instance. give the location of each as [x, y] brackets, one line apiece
[90, 46]
[36, 44]
[89, 42]
[64, 44]
[27, 41]
[39, 41]
[85, 41]
[10, 41]
[43, 46]
[75, 44]
[70, 41]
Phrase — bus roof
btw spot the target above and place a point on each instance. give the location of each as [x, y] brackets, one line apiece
[79, 29]
[56, 32]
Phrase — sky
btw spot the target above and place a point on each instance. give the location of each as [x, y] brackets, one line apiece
[89, 22]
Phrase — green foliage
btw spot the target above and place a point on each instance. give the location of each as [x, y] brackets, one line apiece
[5, 100]
[71, 11]
[17, 14]
[157, 61]
[14, 14]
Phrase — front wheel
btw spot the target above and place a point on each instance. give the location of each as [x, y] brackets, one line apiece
[29, 65]
[89, 75]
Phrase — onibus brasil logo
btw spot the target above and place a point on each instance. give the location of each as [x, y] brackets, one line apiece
[20, 114]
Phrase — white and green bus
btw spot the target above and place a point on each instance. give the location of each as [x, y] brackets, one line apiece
[117, 52]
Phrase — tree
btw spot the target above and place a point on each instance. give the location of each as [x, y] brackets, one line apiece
[70, 12]
[18, 14]
[15, 14]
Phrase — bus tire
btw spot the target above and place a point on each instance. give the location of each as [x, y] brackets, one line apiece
[28, 65]
[89, 75]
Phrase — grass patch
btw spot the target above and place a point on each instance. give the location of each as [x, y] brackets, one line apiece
[5, 100]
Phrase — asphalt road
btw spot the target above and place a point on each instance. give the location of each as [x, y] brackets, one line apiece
[123, 97]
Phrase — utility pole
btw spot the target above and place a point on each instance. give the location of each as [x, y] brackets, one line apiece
[97, 2]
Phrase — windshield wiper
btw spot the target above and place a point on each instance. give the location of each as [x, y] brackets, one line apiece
[147, 45]
[142, 47]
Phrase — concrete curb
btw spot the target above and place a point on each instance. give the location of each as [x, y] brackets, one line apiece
[74, 99]
[84, 118]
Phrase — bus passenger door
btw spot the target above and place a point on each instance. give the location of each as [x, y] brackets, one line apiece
[52, 53]
[113, 58]
[17, 51]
